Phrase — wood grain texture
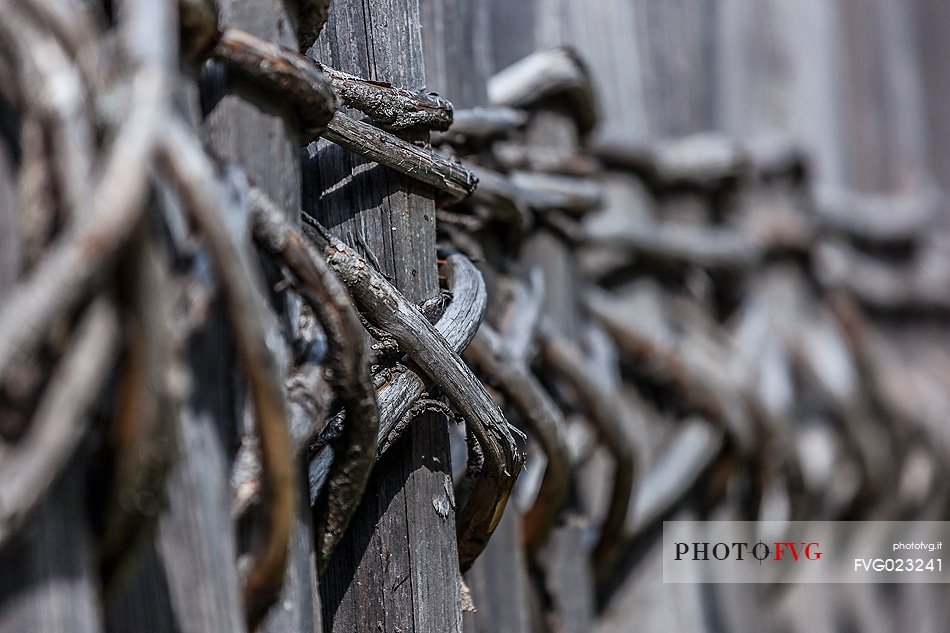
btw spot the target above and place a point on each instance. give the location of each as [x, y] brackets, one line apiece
[266, 147]
[602, 32]
[188, 579]
[882, 108]
[54, 585]
[676, 65]
[396, 569]
[457, 50]
[499, 582]
[779, 67]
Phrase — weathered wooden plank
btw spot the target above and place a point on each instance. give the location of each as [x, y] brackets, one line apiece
[498, 582]
[675, 64]
[49, 580]
[933, 49]
[778, 74]
[512, 31]
[458, 47]
[456, 39]
[267, 148]
[397, 568]
[188, 579]
[882, 108]
[603, 35]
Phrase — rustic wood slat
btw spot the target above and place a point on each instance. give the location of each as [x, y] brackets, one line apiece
[49, 580]
[396, 569]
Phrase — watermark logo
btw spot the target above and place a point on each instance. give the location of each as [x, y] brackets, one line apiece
[804, 551]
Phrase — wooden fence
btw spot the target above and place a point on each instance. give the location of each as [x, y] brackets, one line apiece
[289, 342]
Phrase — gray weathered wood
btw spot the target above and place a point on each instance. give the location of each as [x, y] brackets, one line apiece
[266, 147]
[397, 568]
[498, 582]
[779, 74]
[49, 580]
[456, 42]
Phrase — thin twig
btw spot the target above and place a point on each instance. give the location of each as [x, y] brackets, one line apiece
[701, 161]
[489, 352]
[522, 317]
[143, 441]
[76, 260]
[614, 423]
[393, 152]
[54, 92]
[482, 124]
[576, 196]
[390, 107]
[405, 386]
[701, 384]
[545, 74]
[715, 248]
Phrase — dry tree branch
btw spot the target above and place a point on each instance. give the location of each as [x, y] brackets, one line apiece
[143, 441]
[877, 218]
[921, 285]
[274, 77]
[405, 387]
[482, 124]
[613, 422]
[570, 194]
[457, 326]
[387, 149]
[700, 161]
[390, 107]
[190, 169]
[522, 317]
[348, 361]
[387, 309]
[29, 468]
[513, 197]
[490, 353]
[80, 256]
[675, 472]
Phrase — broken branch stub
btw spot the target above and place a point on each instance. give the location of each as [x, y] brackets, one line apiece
[558, 72]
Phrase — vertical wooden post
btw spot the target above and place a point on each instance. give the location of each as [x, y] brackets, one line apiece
[267, 148]
[397, 567]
